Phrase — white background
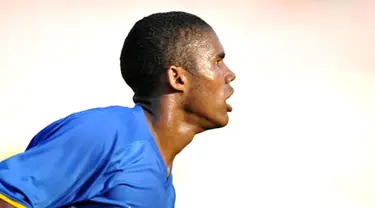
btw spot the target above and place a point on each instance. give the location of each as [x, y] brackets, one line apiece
[302, 133]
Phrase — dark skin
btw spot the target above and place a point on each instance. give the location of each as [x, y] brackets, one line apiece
[193, 103]
[3, 204]
[188, 103]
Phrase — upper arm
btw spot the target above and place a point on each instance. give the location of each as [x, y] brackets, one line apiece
[52, 173]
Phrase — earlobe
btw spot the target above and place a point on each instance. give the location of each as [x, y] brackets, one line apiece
[176, 78]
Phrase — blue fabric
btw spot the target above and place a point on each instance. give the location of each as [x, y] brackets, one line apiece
[102, 157]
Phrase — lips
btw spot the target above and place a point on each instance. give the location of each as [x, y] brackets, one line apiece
[231, 91]
[229, 107]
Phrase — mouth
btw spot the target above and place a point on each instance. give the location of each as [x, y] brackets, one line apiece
[229, 107]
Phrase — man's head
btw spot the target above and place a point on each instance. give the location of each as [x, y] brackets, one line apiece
[179, 54]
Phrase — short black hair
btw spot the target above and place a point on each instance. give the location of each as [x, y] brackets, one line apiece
[156, 42]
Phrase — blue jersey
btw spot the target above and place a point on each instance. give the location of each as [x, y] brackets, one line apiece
[102, 157]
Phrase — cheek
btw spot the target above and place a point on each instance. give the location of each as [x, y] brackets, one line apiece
[207, 70]
[213, 92]
[209, 87]
[213, 84]
[209, 74]
[220, 96]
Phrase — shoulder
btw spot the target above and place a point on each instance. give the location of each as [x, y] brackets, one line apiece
[112, 125]
[102, 126]
[100, 115]
[103, 119]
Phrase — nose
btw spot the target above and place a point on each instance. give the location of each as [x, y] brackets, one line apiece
[230, 76]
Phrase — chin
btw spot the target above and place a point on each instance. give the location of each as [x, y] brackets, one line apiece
[224, 122]
[219, 121]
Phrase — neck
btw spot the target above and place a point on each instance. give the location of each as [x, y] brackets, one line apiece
[173, 128]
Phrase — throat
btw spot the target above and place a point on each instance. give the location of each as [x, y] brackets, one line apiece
[171, 126]
[171, 141]
[170, 132]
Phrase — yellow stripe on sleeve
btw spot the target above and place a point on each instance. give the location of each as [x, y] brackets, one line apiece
[11, 201]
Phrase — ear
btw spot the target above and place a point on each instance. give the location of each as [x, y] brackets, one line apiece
[177, 78]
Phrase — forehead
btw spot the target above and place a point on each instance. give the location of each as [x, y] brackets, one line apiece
[215, 42]
[210, 46]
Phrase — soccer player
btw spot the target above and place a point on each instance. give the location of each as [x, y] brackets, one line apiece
[122, 156]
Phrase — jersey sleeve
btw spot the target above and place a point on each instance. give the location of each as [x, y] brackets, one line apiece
[64, 160]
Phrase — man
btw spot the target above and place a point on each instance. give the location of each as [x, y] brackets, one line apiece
[122, 157]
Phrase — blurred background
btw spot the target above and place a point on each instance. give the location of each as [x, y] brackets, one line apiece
[302, 133]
